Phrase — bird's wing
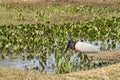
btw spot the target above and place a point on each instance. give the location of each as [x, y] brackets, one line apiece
[85, 47]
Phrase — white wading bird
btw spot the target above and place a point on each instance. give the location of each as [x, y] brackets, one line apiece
[82, 47]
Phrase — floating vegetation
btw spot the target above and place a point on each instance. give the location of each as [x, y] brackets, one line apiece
[42, 31]
[47, 39]
[51, 38]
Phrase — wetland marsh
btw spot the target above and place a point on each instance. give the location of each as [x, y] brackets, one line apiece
[34, 36]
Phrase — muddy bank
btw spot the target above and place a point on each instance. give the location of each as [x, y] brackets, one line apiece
[113, 55]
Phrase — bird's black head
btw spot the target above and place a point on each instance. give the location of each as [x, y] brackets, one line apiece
[70, 45]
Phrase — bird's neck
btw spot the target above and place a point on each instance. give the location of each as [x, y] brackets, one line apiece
[74, 48]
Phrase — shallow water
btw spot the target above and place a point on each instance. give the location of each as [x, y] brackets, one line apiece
[17, 63]
[30, 64]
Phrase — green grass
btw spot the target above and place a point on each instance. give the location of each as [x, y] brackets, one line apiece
[55, 13]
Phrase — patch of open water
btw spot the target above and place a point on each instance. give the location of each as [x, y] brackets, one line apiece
[28, 64]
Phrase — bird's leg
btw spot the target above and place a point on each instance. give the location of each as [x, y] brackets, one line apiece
[86, 57]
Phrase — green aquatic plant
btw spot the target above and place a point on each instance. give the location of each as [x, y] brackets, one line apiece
[48, 38]
[67, 63]
[37, 37]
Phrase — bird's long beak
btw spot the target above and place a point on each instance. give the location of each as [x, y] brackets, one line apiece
[66, 48]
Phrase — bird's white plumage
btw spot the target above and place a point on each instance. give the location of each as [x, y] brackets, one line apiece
[85, 47]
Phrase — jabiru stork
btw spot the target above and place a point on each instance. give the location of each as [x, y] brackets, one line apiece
[82, 47]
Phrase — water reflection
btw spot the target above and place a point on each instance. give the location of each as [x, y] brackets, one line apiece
[50, 61]
[51, 65]
[18, 63]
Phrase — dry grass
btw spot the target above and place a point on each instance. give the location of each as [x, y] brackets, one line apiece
[106, 73]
